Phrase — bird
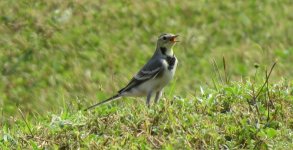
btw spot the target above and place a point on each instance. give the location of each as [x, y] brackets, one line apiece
[153, 76]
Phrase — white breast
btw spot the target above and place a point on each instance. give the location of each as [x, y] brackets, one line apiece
[168, 74]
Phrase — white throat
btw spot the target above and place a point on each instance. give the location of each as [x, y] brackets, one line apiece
[169, 52]
[165, 51]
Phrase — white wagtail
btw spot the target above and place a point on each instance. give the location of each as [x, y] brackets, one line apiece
[154, 75]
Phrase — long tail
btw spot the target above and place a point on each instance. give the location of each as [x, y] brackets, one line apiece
[104, 101]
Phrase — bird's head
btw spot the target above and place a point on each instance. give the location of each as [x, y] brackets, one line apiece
[167, 40]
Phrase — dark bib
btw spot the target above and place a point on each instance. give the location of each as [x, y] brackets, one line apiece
[171, 62]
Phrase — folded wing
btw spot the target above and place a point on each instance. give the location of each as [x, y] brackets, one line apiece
[149, 71]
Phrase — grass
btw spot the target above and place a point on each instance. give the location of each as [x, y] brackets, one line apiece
[57, 58]
[218, 118]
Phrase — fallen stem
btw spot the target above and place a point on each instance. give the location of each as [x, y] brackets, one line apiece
[25, 122]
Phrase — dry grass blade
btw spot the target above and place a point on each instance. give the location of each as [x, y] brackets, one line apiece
[23, 118]
[217, 70]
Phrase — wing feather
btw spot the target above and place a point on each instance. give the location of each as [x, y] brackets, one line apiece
[149, 71]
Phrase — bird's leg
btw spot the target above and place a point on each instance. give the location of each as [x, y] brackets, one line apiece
[148, 100]
[158, 95]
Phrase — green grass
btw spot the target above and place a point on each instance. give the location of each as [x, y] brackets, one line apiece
[57, 57]
[226, 117]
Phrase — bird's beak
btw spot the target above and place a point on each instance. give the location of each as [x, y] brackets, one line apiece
[173, 38]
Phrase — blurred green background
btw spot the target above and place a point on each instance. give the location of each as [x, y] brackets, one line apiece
[57, 52]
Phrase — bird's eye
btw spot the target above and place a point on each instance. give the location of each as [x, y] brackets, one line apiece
[164, 38]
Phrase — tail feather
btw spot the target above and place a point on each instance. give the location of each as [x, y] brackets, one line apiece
[104, 101]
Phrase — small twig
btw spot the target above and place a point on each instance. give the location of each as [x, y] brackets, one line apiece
[25, 122]
[154, 144]
[266, 83]
[267, 79]
[216, 68]
[268, 94]
[257, 109]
